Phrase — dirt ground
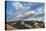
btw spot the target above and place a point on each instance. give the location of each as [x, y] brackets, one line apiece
[9, 27]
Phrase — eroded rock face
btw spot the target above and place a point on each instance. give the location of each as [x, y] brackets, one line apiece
[27, 24]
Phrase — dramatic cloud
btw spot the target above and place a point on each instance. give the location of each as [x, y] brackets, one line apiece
[30, 11]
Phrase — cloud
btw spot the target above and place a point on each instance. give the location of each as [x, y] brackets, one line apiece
[18, 5]
[39, 11]
[25, 14]
[30, 12]
[19, 16]
[31, 18]
[22, 12]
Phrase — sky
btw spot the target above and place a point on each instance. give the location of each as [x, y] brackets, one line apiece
[24, 11]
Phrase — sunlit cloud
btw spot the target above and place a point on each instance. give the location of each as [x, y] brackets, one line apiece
[18, 16]
[30, 12]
